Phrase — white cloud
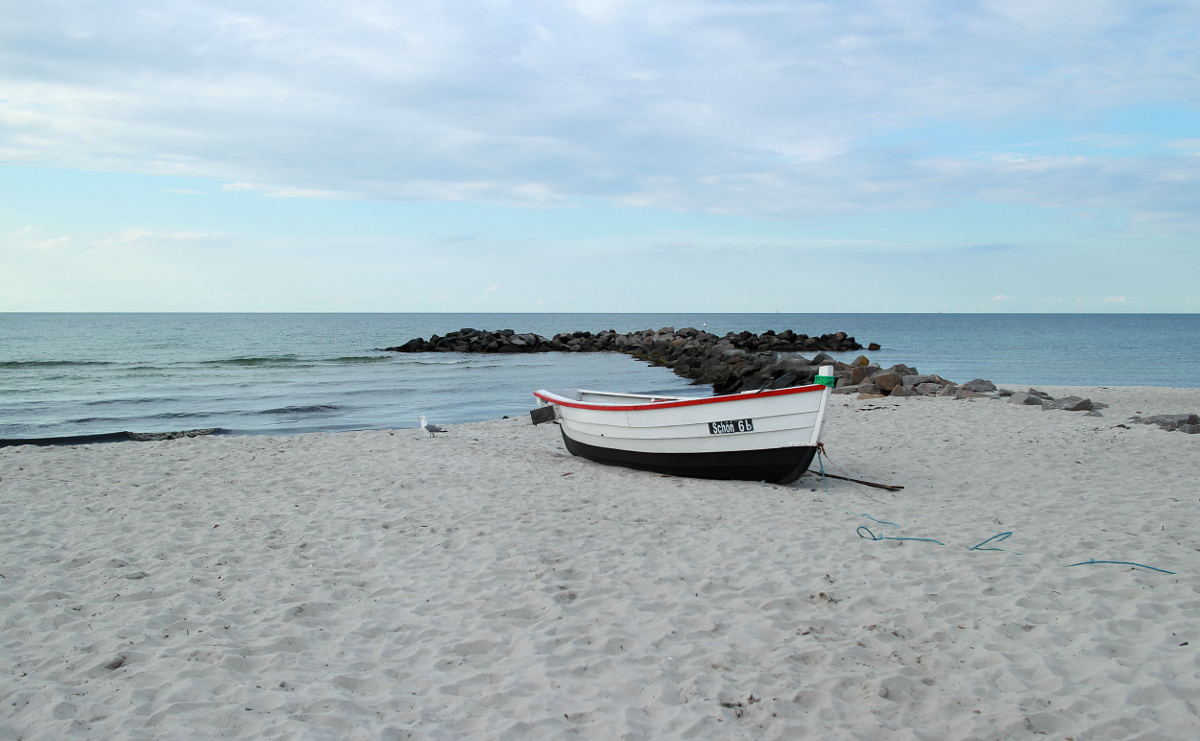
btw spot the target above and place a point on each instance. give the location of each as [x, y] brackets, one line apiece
[47, 244]
[28, 238]
[284, 191]
[134, 237]
[1002, 297]
[759, 108]
[1114, 300]
[1191, 145]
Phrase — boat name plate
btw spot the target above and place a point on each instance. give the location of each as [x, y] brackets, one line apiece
[730, 426]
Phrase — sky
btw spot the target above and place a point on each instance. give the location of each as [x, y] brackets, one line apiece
[600, 155]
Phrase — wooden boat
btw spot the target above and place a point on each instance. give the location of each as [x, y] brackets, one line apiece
[768, 435]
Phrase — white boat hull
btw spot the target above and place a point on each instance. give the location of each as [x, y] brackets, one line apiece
[768, 436]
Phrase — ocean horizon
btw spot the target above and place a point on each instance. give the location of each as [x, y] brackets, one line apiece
[73, 374]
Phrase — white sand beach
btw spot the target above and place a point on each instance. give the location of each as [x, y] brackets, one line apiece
[485, 584]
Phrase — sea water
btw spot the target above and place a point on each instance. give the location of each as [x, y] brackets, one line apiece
[85, 374]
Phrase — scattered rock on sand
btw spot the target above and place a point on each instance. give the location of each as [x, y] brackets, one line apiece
[1069, 404]
[1186, 423]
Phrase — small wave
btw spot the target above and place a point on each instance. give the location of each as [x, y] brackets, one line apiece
[441, 362]
[385, 388]
[18, 364]
[351, 359]
[106, 402]
[313, 409]
[254, 361]
[184, 415]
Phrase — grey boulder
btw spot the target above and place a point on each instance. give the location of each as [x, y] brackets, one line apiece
[1069, 404]
[980, 385]
[1169, 421]
[887, 380]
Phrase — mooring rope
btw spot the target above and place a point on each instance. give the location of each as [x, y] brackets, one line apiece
[1126, 563]
[999, 537]
[872, 519]
[821, 466]
[872, 536]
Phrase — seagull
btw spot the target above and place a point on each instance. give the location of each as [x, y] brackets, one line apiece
[430, 428]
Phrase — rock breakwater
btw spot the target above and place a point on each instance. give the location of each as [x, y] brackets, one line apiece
[733, 362]
[747, 362]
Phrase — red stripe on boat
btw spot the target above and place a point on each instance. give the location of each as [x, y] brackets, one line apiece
[671, 404]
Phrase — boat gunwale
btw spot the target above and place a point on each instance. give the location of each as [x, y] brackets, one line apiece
[553, 398]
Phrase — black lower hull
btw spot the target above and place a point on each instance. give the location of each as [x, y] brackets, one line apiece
[778, 466]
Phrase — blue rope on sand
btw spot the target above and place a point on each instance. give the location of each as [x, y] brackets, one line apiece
[821, 466]
[881, 522]
[872, 536]
[999, 537]
[1126, 563]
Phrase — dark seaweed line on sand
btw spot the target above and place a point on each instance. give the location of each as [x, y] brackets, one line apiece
[111, 437]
